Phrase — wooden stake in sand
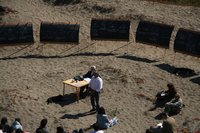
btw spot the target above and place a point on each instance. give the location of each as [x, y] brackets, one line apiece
[165, 54]
[174, 57]
[133, 37]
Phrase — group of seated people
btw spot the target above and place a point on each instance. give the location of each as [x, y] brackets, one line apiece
[103, 122]
[173, 104]
[171, 99]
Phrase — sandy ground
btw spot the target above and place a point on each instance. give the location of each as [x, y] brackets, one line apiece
[43, 67]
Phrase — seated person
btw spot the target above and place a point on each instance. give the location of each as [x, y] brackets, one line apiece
[60, 130]
[1, 128]
[17, 124]
[103, 120]
[175, 105]
[168, 125]
[6, 127]
[43, 124]
[96, 129]
[19, 131]
[89, 74]
[166, 96]
[11, 130]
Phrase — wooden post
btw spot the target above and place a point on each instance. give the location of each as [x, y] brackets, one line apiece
[174, 57]
[173, 33]
[165, 54]
[133, 37]
[95, 47]
[63, 89]
[127, 47]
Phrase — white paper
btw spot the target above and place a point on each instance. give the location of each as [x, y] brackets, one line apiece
[87, 79]
[79, 84]
[163, 94]
[160, 125]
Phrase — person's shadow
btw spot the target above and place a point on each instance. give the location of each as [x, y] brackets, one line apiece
[69, 116]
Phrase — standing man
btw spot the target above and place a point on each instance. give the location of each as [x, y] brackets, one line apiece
[89, 74]
[95, 85]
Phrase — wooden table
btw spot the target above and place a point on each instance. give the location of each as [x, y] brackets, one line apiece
[74, 84]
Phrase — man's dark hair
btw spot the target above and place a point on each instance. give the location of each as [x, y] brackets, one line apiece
[11, 129]
[18, 119]
[96, 127]
[43, 123]
[4, 120]
[1, 126]
[60, 130]
[164, 114]
[170, 85]
[18, 131]
[101, 110]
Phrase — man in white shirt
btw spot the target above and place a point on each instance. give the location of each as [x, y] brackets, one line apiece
[95, 85]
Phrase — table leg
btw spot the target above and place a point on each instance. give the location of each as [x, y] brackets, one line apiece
[77, 94]
[63, 89]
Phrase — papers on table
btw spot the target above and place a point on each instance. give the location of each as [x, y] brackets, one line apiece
[87, 79]
[79, 84]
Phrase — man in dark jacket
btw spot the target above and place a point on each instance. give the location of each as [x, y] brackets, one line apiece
[89, 74]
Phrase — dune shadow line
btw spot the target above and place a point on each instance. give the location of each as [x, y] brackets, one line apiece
[137, 59]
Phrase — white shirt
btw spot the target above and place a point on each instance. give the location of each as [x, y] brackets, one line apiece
[100, 131]
[96, 83]
[1, 131]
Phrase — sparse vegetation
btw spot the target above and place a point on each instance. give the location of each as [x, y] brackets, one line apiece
[103, 8]
[116, 111]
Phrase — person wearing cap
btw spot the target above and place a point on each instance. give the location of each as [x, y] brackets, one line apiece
[89, 74]
[17, 124]
[6, 127]
[176, 104]
[95, 86]
[169, 125]
[43, 124]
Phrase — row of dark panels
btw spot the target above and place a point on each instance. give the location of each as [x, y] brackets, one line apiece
[156, 34]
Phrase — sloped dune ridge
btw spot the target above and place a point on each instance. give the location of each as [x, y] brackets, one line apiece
[30, 74]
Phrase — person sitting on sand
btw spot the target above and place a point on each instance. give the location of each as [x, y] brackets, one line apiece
[19, 131]
[168, 126]
[89, 74]
[6, 127]
[96, 129]
[43, 124]
[60, 130]
[11, 130]
[1, 128]
[175, 105]
[103, 120]
[166, 96]
[17, 124]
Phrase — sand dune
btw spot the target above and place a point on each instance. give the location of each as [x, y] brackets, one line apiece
[43, 67]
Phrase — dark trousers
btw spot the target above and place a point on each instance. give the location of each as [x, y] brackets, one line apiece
[95, 97]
